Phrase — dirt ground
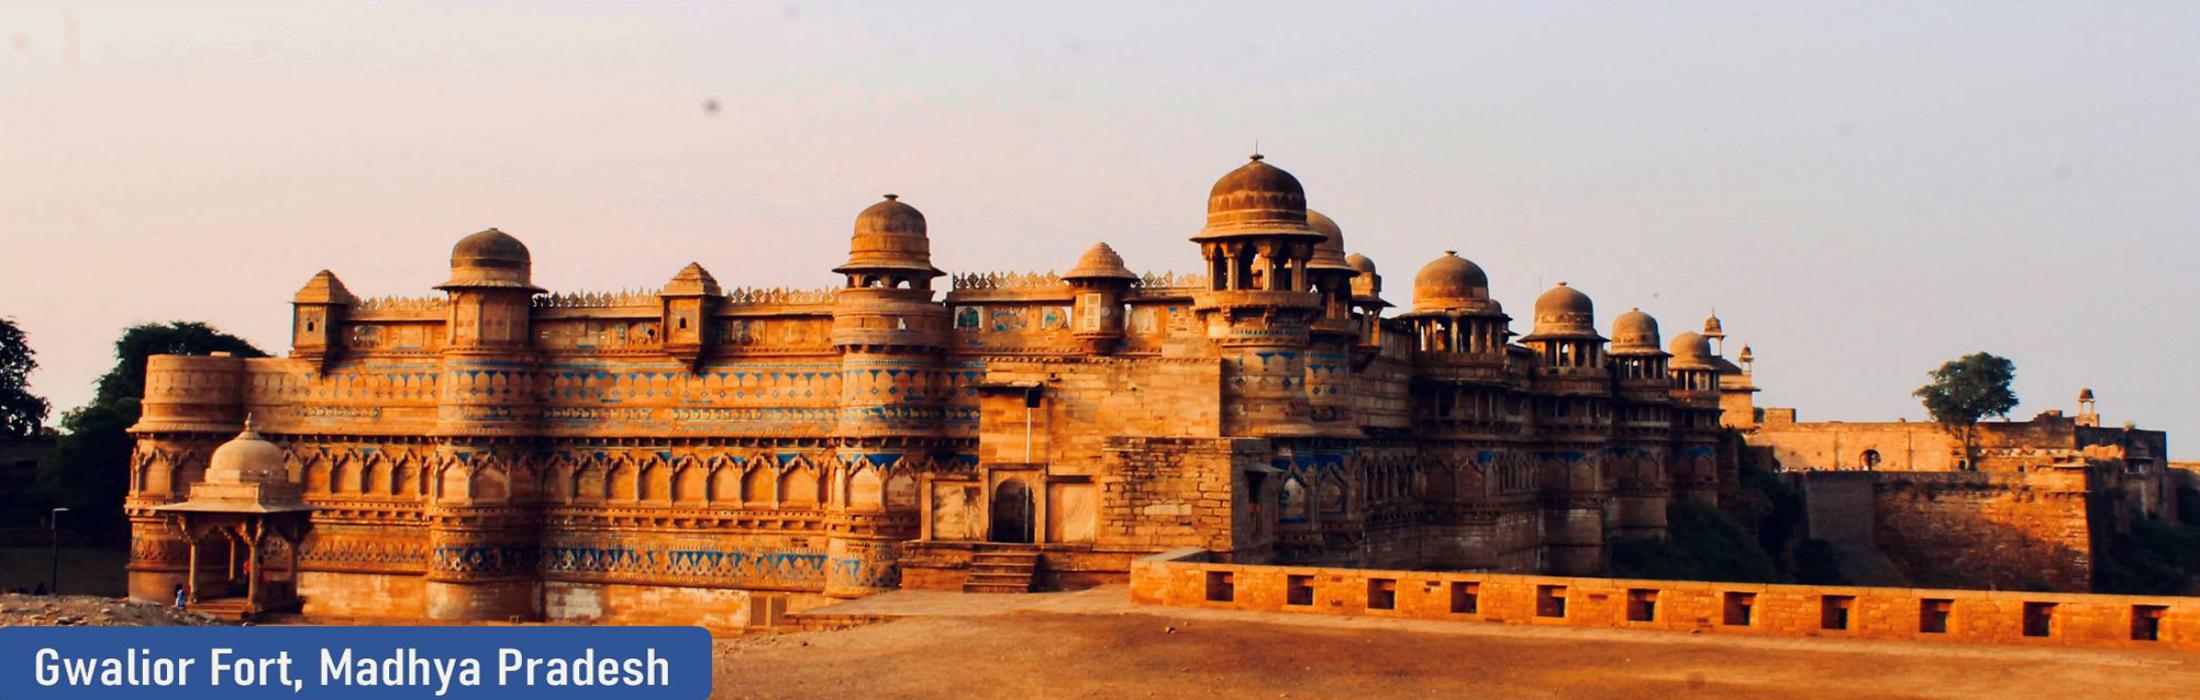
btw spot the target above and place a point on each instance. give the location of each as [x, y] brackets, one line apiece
[1121, 651]
[90, 611]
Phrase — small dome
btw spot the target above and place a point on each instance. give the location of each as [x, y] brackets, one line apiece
[1329, 253]
[1100, 263]
[245, 475]
[1711, 327]
[1452, 283]
[1257, 199]
[890, 237]
[247, 459]
[1367, 284]
[490, 258]
[2085, 394]
[1691, 351]
[1635, 333]
[1564, 313]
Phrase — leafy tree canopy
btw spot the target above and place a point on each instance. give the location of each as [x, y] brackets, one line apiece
[1969, 388]
[87, 471]
[22, 414]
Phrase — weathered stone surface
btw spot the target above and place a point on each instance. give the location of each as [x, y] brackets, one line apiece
[504, 452]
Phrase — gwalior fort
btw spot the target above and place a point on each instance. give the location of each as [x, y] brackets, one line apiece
[1272, 427]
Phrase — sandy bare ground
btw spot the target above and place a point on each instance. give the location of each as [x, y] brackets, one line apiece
[91, 611]
[1095, 644]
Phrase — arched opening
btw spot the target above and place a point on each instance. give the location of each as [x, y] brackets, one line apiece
[1012, 512]
[1292, 503]
[1871, 459]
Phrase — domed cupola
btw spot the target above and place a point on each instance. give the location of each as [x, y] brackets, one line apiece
[1564, 313]
[246, 474]
[1367, 284]
[492, 259]
[1257, 200]
[1100, 279]
[890, 248]
[1328, 254]
[1452, 283]
[1635, 333]
[1100, 262]
[1691, 351]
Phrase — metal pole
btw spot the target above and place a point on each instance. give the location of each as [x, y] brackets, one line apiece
[53, 523]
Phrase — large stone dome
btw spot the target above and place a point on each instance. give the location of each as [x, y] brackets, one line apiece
[1328, 254]
[890, 238]
[1635, 333]
[1257, 199]
[491, 258]
[1451, 283]
[1691, 351]
[1564, 313]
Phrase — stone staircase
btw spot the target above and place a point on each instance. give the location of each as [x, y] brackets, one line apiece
[225, 609]
[1002, 569]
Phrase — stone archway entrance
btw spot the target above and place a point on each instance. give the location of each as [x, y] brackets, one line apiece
[1012, 512]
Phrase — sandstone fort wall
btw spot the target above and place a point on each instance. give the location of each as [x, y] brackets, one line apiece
[1184, 578]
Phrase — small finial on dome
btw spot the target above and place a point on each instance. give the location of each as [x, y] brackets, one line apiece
[891, 197]
[1257, 156]
[248, 431]
[1452, 253]
[1562, 283]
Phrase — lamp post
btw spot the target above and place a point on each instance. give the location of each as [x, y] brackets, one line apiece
[53, 579]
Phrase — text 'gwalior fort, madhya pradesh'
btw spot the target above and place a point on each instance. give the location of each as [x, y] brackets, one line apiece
[726, 457]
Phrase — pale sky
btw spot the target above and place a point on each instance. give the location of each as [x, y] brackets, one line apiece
[1862, 191]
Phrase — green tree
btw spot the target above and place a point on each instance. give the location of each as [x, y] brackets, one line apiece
[1967, 389]
[22, 414]
[87, 471]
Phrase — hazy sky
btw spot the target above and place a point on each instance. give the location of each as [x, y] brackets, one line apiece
[1863, 191]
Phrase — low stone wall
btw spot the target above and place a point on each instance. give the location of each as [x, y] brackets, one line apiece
[1186, 578]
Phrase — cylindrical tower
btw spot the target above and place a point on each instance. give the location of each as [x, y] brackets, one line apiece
[1329, 367]
[1573, 421]
[1258, 245]
[1469, 412]
[1641, 428]
[1695, 391]
[482, 532]
[192, 405]
[890, 335]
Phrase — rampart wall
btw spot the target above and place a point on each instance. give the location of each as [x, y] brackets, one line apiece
[1185, 578]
